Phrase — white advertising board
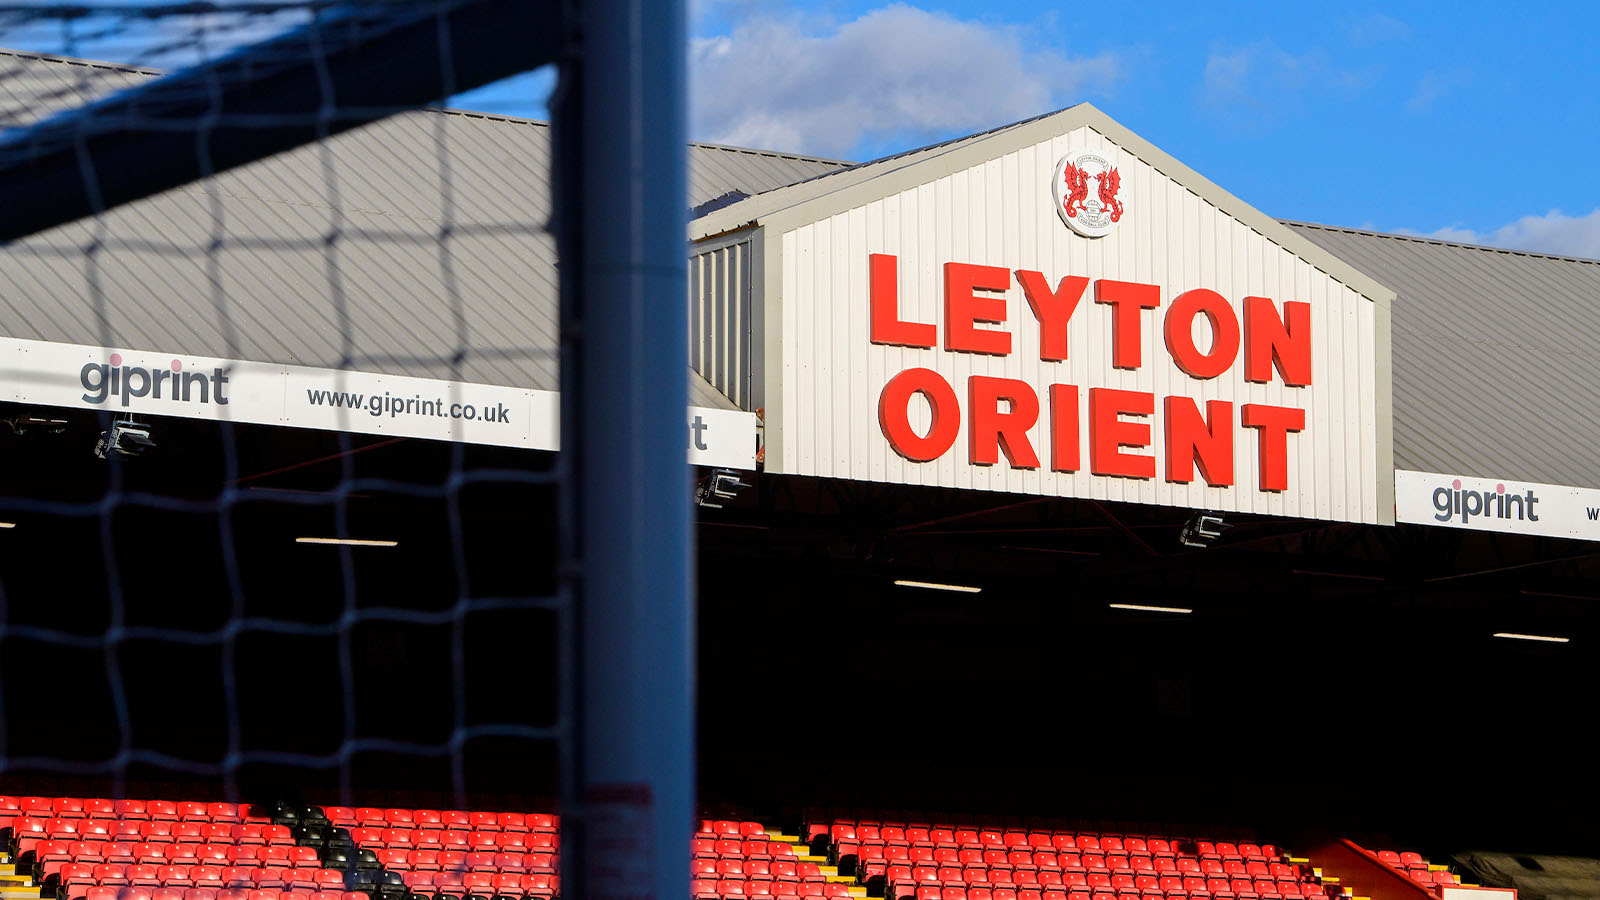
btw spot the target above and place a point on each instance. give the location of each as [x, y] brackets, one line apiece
[1496, 504]
[166, 384]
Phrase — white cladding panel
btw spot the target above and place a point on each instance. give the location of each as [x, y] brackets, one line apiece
[719, 319]
[1000, 213]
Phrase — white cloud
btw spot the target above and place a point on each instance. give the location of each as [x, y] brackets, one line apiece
[1433, 85]
[788, 83]
[1376, 29]
[1554, 232]
[1258, 82]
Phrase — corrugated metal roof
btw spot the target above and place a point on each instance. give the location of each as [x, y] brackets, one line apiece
[414, 246]
[844, 175]
[1496, 360]
[355, 255]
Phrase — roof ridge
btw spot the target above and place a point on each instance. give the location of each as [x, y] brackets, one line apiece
[775, 154]
[76, 61]
[1423, 239]
[924, 149]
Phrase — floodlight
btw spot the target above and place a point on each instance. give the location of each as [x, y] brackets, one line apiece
[1203, 530]
[127, 437]
[721, 484]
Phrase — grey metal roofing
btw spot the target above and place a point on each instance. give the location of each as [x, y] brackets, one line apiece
[1496, 355]
[841, 176]
[340, 256]
[413, 246]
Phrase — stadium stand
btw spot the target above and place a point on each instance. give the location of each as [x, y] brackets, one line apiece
[94, 849]
[967, 859]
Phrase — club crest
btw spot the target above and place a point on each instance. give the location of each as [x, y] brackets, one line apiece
[1088, 195]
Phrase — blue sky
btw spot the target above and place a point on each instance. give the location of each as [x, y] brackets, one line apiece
[1472, 121]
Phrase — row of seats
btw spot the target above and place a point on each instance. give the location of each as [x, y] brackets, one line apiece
[1090, 880]
[482, 882]
[52, 853]
[455, 861]
[732, 849]
[951, 875]
[145, 893]
[447, 839]
[973, 839]
[166, 810]
[860, 816]
[708, 889]
[373, 817]
[718, 829]
[75, 879]
[780, 869]
[1087, 862]
[150, 832]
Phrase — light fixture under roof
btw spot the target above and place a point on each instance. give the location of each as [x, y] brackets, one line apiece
[1546, 638]
[8, 524]
[345, 542]
[1140, 607]
[936, 586]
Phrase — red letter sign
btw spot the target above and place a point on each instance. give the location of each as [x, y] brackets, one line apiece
[1192, 440]
[1180, 333]
[1109, 434]
[896, 424]
[1268, 341]
[1064, 427]
[1127, 336]
[884, 301]
[1053, 309]
[963, 309]
[991, 432]
[1275, 423]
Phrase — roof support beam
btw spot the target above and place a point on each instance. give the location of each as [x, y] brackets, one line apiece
[353, 67]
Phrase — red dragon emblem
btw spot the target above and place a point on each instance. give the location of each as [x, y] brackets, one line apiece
[1110, 183]
[1078, 189]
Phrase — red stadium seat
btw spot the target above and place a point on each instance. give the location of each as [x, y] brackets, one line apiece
[758, 887]
[277, 834]
[1413, 860]
[426, 839]
[541, 822]
[174, 876]
[229, 813]
[111, 873]
[206, 876]
[730, 888]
